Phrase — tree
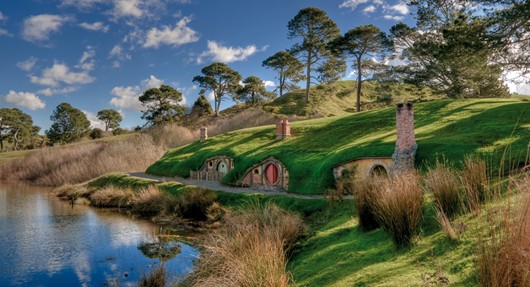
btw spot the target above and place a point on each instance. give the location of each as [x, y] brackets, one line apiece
[221, 80]
[17, 127]
[316, 30]
[360, 43]
[201, 107]
[449, 51]
[253, 91]
[69, 124]
[289, 69]
[162, 105]
[111, 118]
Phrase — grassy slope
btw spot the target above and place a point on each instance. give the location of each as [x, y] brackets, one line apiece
[453, 128]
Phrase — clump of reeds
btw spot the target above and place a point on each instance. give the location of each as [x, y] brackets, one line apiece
[155, 278]
[111, 196]
[398, 207]
[366, 194]
[475, 182]
[249, 250]
[194, 203]
[445, 186]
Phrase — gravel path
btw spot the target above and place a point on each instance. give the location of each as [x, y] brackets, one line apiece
[215, 185]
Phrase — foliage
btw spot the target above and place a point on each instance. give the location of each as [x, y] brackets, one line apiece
[220, 79]
[253, 91]
[201, 107]
[111, 118]
[360, 43]
[119, 131]
[96, 133]
[315, 30]
[162, 105]
[69, 124]
[17, 127]
[288, 68]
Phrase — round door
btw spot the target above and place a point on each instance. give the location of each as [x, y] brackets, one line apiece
[271, 174]
[222, 167]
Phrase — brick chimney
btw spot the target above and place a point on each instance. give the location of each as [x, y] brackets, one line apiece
[204, 134]
[283, 129]
[405, 152]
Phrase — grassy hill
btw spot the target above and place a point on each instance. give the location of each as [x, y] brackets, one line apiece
[452, 128]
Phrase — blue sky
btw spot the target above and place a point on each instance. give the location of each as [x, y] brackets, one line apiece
[100, 54]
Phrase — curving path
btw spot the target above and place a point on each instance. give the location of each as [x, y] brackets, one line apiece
[217, 186]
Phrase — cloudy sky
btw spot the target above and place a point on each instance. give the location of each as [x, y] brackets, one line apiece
[100, 54]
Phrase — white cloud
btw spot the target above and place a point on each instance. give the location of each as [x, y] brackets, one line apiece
[82, 4]
[26, 100]
[269, 84]
[48, 92]
[96, 26]
[127, 8]
[210, 96]
[117, 53]
[179, 35]
[4, 32]
[220, 53]
[93, 119]
[2, 17]
[39, 28]
[393, 17]
[517, 83]
[352, 4]
[127, 97]
[87, 62]
[27, 65]
[369, 9]
[60, 73]
[402, 9]
[152, 82]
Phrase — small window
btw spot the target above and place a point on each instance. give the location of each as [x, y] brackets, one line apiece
[256, 171]
[210, 164]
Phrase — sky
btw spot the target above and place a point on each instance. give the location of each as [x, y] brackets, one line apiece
[102, 54]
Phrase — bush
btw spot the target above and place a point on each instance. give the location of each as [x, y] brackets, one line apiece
[398, 208]
[96, 133]
[194, 203]
[119, 131]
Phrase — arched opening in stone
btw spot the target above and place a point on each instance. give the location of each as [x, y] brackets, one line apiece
[378, 171]
[222, 167]
[271, 174]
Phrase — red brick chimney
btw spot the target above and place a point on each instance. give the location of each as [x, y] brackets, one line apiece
[283, 129]
[405, 152]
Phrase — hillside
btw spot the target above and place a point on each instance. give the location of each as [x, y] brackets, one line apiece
[452, 128]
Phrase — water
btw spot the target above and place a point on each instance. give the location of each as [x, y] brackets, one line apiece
[46, 242]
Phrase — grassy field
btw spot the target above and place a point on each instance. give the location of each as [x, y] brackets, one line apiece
[448, 128]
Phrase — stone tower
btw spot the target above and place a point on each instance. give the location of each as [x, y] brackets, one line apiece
[405, 152]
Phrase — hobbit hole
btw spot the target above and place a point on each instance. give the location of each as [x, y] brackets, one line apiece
[214, 169]
[269, 175]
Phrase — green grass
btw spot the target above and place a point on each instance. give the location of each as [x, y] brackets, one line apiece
[452, 128]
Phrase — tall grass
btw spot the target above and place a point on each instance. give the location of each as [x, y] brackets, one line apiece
[365, 193]
[156, 278]
[476, 184]
[398, 207]
[82, 162]
[445, 186]
[504, 258]
[249, 250]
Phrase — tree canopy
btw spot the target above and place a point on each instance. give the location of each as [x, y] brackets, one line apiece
[221, 80]
[288, 68]
[162, 105]
[315, 30]
[17, 127]
[253, 91]
[69, 124]
[111, 118]
[201, 107]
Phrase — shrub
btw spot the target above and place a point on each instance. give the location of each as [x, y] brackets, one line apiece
[119, 131]
[503, 258]
[475, 182]
[96, 133]
[444, 184]
[194, 203]
[249, 250]
[398, 208]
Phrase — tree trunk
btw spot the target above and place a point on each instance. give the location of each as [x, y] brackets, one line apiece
[308, 81]
[282, 82]
[217, 104]
[359, 82]
[15, 140]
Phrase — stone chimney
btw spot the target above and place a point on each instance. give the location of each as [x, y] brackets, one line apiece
[405, 152]
[283, 129]
[204, 134]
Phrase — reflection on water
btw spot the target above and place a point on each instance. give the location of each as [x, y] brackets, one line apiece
[46, 242]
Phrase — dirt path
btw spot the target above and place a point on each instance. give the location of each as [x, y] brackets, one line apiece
[215, 185]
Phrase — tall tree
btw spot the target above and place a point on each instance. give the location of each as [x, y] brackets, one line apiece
[253, 91]
[316, 30]
[362, 43]
[289, 69]
[111, 118]
[17, 127]
[69, 124]
[162, 105]
[221, 80]
[201, 107]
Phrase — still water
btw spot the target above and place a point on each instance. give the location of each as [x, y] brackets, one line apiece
[46, 242]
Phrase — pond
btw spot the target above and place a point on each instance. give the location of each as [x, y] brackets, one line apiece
[47, 242]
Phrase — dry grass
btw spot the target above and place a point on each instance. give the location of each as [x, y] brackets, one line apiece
[445, 223]
[365, 193]
[504, 258]
[195, 203]
[398, 207]
[476, 184]
[82, 162]
[111, 197]
[444, 184]
[156, 278]
[249, 250]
